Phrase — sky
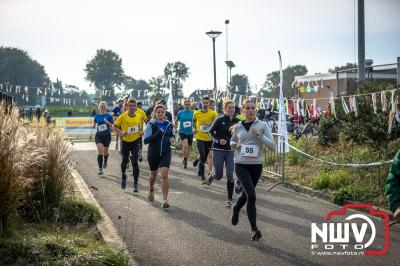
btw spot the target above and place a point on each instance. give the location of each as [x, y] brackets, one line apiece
[63, 35]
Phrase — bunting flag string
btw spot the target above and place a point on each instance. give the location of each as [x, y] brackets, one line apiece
[332, 103]
[373, 96]
[345, 107]
[383, 101]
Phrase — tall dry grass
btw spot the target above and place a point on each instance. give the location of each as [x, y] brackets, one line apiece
[35, 165]
[52, 183]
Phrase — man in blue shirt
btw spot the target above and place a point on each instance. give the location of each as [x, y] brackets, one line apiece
[115, 113]
[185, 119]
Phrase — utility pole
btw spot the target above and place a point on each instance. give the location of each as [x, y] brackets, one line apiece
[361, 41]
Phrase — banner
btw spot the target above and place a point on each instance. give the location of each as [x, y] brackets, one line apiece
[283, 146]
[170, 103]
[78, 126]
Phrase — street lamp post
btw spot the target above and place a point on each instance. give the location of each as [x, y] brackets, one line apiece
[213, 35]
[227, 68]
[230, 65]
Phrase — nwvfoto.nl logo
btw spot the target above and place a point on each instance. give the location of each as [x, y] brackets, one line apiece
[336, 236]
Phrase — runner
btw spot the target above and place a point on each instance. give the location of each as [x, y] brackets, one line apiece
[130, 124]
[185, 119]
[248, 139]
[102, 138]
[150, 110]
[221, 131]
[202, 120]
[139, 111]
[168, 115]
[115, 113]
[210, 155]
[159, 135]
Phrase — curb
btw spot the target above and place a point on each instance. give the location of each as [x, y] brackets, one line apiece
[106, 227]
[324, 195]
[320, 194]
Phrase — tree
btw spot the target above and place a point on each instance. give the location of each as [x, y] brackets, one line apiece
[240, 84]
[176, 72]
[157, 84]
[142, 85]
[18, 68]
[273, 80]
[347, 66]
[105, 71]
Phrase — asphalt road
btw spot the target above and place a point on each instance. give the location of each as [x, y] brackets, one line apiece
[196, 229]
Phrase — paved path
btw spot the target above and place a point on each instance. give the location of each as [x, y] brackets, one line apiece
[196, 229]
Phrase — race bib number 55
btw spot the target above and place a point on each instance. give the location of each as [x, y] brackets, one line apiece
[249, 151]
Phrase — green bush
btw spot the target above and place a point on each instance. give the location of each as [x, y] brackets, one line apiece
[356, 193]
[321, 182]
[52, 247]
[339, 178]
[79, 211]
[328, 131]
[365, 128]
[303, 144]
[333, 179]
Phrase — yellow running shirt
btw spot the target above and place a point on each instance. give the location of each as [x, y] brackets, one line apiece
[131, 124]
[203, 122]
[143, 116]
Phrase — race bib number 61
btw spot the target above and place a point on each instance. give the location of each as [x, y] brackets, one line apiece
[132, 130]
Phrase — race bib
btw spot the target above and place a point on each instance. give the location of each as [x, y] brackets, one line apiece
[102, 127]
[133, 130]
[249, 151]
[204, 128]
[187, 124]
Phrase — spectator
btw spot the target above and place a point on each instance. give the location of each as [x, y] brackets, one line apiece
[70, 111]
[38, 114]
[392, 187]
[47, 117]
[93, 113]
[30, 113]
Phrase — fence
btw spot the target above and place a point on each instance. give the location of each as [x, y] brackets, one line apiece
[7, 99]
[274, 163]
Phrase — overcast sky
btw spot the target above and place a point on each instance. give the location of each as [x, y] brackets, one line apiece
[64, 34]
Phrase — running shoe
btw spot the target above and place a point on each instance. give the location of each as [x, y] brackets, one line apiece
[210, 178]
[203, 180]
[135, 188]
[151, 195]
[238, 187]
[101, 171]
[195, 162]
[123, 181]
[256, 235]
[234, 215]
[165, 204]
[230, 203]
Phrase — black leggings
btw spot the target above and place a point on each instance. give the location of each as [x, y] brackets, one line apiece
[248, 174]
[204, 148]
[129, 150]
